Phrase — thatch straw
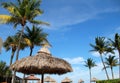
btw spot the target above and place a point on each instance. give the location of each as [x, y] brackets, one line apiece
[80, 81]
[93, 79]
[66, 80]
[31, 77]
[42, 63]
[49, 79]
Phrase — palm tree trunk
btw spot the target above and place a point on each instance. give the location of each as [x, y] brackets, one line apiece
[17, 54]
[104, 66]
[31, 50]
[119, 63]
[11, 59]
[90, 74]
[112, 72]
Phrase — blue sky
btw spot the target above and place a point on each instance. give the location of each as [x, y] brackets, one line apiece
[74, 25]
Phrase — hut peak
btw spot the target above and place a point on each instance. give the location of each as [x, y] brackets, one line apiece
[44, 49]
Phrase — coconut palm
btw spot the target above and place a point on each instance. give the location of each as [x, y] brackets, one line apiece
[4, 69]
[90, 63]
[116, 44]
[111, 61]
[35, 36]
[11, 43]
[102, 46]
[1, 44]
[23, 12]
[5, 72]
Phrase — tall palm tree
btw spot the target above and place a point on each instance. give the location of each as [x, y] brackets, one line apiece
[11, 43]
[1, 44]
[4, 69]
[5, 72]
[35, 36]
[116, 44]
[111, 62]
[101, 46]
[23, 12]
[90, 63]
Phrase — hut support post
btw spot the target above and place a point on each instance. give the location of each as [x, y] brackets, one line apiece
[13, 77]
[42, 79]
[23, 78]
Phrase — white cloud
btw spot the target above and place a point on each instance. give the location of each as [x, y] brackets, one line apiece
[74, 12]
[96, 54]
[77, 60]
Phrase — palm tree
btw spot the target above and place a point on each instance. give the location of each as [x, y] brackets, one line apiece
[11, 43]
[4, 70]
[111, 62]
[90, 63]
[20, 14]
[35, 36]
[101, 46]
[116, 44]
[23, 12]
[1, 44]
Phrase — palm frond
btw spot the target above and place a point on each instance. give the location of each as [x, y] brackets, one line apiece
[6, 19]
[37, 22]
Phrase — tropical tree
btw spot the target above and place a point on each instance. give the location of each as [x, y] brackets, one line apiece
[102, 47]
[1, 44]
[11, 43]
[116, 44]
[111, 61]
[21, 13]
[90, 63]
[35, 36]
[4, 70]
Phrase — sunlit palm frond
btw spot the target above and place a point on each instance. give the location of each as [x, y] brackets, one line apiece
[9, 7]
[37, 22]
[27, 41]
[6, 19]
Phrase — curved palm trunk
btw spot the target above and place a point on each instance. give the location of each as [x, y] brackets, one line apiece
[11, 59]
[112, 72]
[104, 66]
[119, 62]
[17, 54]
[90, 74]
[31, 50]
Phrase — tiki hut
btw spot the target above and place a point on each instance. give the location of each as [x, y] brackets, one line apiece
[32, 77]
[93, 79]
[48, 79]
[42, 63]
[80, 81]
[66, 80]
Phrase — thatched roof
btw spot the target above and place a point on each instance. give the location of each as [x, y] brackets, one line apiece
[66, 80]
[49, 79]
[31, 77]
[80, 81]
[93, 79]
[42, 63]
